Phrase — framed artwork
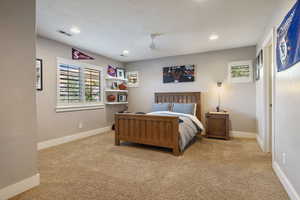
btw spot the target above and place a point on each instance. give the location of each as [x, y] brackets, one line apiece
[240, 72]
[259, 65]
[260, 59]
[111, 71]
[122, 98]
[39, 74]
[179, 74]
[120, 73]
[257, 72]
[133, 79]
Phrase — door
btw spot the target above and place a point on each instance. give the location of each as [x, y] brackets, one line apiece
[269, 69]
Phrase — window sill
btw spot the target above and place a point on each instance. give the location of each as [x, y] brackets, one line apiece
[72, 108]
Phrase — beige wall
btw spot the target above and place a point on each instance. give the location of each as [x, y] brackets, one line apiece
[211, 67]
[18, 154]
[287, 109]
[54, 125]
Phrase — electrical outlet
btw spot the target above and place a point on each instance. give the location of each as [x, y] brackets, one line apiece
[284, 158]
[80, 125]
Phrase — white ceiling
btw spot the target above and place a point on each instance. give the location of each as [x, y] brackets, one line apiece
[110, 26]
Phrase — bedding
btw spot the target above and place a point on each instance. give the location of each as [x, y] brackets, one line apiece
[189, 126]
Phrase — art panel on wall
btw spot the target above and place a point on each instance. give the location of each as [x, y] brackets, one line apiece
[240, 72]
[179, 74]
[133, 78]
[39, 74]
[288, 40]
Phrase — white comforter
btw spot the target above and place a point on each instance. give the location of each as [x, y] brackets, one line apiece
[188, 127]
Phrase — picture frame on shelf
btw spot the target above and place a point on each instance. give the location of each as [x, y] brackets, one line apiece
[122, 98]
[111, 71]
[39, 74]
[120, 73]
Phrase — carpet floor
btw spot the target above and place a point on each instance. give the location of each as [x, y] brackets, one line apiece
[95, 169]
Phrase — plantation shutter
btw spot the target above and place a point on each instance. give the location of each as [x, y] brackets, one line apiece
[92, 85]
[69, 84]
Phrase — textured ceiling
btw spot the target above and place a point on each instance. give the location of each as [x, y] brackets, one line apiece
[110, 26]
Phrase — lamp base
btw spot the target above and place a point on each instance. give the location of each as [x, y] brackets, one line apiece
[218, 108]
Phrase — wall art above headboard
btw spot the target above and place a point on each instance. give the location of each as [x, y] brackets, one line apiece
[179, 74]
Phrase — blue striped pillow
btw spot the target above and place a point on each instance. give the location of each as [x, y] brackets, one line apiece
[186, 108]
[160, 107]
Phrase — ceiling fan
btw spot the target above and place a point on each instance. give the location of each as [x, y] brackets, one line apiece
[153, 36]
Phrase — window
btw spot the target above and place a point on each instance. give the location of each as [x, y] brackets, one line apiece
[69, 84]
[78, 86]
[92, 85]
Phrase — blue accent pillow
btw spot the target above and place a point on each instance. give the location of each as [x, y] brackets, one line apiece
[186, 108]
[160, 107]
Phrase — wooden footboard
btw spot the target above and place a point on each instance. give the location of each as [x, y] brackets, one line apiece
[162, 131]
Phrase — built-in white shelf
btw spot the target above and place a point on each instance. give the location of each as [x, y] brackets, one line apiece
[111, 90]
[116, 79]
[116, 103]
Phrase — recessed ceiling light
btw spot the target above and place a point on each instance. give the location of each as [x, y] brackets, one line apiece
[213, 37]
[75, 30]
[125, 53]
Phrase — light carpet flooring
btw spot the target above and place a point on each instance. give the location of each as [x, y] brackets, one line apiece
[95, 169]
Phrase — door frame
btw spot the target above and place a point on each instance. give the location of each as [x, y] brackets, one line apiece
[270, 40]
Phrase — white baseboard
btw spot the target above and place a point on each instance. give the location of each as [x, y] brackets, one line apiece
[241, 134]
[70, 138]
[260, 143]
[285, 182]
[18, 188]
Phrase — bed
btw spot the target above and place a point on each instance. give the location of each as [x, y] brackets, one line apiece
[159, 128]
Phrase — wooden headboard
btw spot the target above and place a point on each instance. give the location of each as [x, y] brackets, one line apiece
[181, 97]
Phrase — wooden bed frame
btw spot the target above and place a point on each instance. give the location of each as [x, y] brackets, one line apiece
[153, 130]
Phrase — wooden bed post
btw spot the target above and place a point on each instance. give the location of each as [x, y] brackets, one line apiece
[117, 133]
[176, 150]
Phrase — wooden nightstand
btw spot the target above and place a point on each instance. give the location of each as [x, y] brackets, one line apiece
[217, 125]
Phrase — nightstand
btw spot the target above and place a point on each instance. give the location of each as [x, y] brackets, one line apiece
[217, 125]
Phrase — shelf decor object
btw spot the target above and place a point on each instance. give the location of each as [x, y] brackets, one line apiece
[122, 86]
[111, 98]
